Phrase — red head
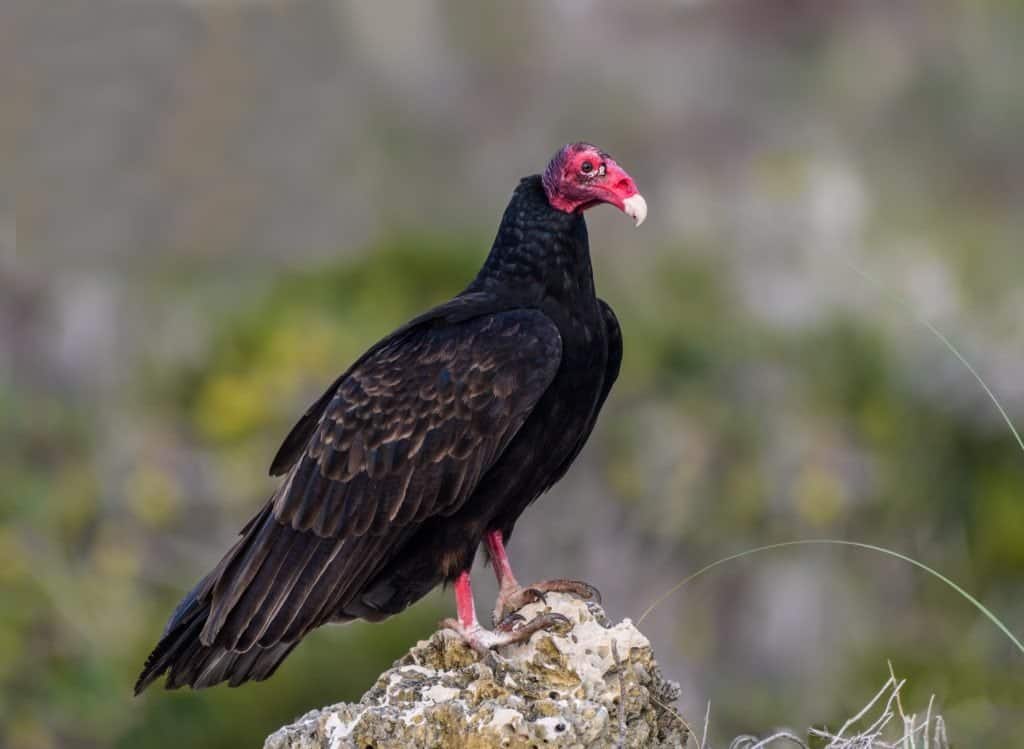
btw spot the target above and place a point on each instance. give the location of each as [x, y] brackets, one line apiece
[581, 176]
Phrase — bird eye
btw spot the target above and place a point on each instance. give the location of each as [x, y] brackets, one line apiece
[587, 167]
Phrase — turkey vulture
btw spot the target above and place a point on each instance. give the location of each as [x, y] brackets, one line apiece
[433, 441]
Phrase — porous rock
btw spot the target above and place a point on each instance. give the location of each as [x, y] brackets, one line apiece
[556, 690]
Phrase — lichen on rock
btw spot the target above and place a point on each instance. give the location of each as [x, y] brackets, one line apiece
[555, 690]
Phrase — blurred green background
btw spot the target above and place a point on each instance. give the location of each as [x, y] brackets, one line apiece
[213, 206]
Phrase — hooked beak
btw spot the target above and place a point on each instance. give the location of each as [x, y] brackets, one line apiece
[622, 193]
[636, 208]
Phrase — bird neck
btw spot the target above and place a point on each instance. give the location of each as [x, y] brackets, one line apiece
[539, 252]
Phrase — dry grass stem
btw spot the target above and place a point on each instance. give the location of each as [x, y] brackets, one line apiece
[881, 724]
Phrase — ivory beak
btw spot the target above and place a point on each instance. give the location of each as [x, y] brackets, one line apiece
[636, 208]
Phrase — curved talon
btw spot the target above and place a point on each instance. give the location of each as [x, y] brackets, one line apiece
[532, 595]
[509, 603]
[513, 600]
[549, 621]
[511, 623]
[574, 587]
[484, 641]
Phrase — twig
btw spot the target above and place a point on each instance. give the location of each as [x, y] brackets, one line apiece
[741, 742]
[928, 722]
[856, 718]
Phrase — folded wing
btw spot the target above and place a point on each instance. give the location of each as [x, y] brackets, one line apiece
[405, 436]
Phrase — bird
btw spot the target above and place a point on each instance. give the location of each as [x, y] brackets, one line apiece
[427, 448]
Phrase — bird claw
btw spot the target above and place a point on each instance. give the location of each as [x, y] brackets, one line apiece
[483, 641]
[533, 595]
[511, 623]
[511, 601]
[578, 588]
[551, 622]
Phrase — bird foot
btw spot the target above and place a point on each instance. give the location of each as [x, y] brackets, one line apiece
[512, 629]
[510, 601]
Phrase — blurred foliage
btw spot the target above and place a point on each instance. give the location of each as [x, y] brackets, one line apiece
[294, 340]
[82, 560]
[165, 331]
[88, 579]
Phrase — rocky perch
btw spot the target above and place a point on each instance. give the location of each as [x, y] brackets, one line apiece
[595, 686]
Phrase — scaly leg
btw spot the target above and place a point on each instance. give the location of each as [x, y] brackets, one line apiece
[483, 640]
[512, 596]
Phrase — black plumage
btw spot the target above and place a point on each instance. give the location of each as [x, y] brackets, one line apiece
[442, 431]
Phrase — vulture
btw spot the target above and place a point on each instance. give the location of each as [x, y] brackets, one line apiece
[432, 443]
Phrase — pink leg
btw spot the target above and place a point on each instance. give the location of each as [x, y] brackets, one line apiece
[483, 640]
[512, 596]
[499, 559]
[464, 601]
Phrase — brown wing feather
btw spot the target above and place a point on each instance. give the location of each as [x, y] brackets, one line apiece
[406, 436]
[464, 307]
[451, 393]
